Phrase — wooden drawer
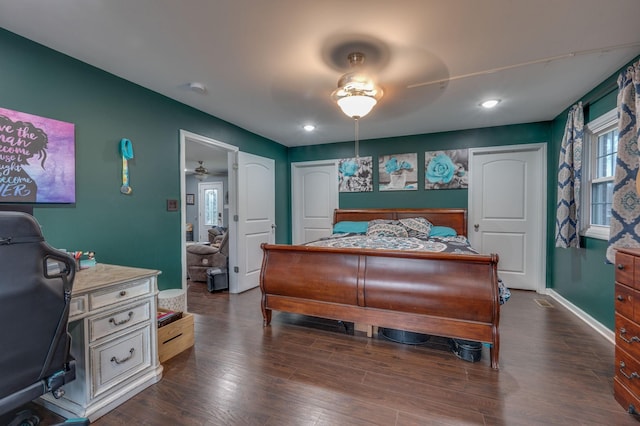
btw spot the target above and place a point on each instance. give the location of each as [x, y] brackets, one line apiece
[625, 397]
[627, 370]
[120, 293]
[624, 300]
[625, 269]
[175, 337]
[628, 336]
[118, 320]
[116, 360]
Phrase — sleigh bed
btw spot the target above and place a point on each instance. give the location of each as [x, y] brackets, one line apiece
[437, 293]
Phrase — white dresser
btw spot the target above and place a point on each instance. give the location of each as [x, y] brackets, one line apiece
[114, 340]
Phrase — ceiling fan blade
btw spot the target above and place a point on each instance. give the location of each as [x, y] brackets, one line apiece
[547, 59]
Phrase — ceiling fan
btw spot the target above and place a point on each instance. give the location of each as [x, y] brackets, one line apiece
[357, 92]
[200, 171]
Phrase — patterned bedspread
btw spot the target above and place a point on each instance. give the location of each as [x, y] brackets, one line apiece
[458, 244]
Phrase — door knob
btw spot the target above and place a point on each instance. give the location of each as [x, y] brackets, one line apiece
[476, 227]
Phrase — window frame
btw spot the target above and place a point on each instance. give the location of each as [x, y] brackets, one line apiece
[594, 129]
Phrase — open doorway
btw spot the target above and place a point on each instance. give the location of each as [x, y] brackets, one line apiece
[208, 179]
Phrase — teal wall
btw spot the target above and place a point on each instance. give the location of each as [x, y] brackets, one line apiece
[138, 231]
[135, 230]
[493, 136]
[582, 276]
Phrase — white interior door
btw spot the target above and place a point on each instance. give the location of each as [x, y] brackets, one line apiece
[314, 188]
[256, 217]
[507, 199]
[210, 207]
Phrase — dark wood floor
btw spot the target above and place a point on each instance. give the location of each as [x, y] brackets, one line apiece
[305, 371]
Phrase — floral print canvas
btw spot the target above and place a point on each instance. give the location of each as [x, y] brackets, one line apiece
[398, 172]
[355, 174]
[446, 169]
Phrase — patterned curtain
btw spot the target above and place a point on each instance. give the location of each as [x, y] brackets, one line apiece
[625, 211]
[569, 177]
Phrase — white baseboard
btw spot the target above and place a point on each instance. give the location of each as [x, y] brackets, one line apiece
[592, 322]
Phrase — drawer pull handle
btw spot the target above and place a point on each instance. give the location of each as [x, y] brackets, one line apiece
[131, 351]
[124, 321]
[620, 297]
[631, 376]
[620, 266]
[123, 293]
[173, 338]
[623, 331]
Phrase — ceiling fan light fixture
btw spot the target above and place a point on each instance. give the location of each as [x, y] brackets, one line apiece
[201, 172]
[356, 106]
[356, 94]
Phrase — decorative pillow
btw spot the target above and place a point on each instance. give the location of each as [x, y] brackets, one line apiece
[386, 230]
[442, 231]
[417, 227]
[350, 227]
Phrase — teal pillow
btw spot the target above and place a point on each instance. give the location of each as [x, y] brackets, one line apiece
[442, 231]
[347, 227]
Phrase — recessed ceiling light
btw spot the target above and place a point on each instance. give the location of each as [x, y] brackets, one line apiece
[198, 87]
[309, 127]
[490, 103]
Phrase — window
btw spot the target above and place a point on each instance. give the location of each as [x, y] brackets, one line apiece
[601, 147]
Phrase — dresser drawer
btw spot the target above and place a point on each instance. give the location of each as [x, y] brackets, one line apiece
[116, 360]
[77, 306]
[628, 336]
[624, 300]
[118, 320]
[120, 293]
[627, 370]
[625, 269]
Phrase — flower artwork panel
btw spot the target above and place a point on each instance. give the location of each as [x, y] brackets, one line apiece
[446, 169]
[398, 172]
[355, 174]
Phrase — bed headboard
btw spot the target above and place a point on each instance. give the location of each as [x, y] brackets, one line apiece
[454, 218]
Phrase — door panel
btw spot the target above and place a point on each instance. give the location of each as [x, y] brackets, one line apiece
[256, 216]
[315, 197]
[506, 211]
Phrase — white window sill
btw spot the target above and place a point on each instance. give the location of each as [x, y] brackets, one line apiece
[598, 232]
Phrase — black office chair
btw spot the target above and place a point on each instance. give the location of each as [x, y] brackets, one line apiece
[35, 292]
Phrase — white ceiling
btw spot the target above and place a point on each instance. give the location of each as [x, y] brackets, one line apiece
[270, 66]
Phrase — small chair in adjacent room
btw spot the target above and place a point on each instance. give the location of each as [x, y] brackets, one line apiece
[201, 257]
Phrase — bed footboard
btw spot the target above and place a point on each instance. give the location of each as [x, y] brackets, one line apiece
[443, 294]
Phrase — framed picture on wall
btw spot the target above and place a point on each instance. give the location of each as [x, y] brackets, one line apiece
[446, 169]
[355, 174]
[398, 172]
[191, 199]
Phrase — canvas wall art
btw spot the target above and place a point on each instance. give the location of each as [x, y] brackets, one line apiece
[398, 172]
[446, 169]
[355, 174]
[37, 159]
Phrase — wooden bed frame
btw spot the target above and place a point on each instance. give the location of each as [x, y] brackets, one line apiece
[443, 294]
